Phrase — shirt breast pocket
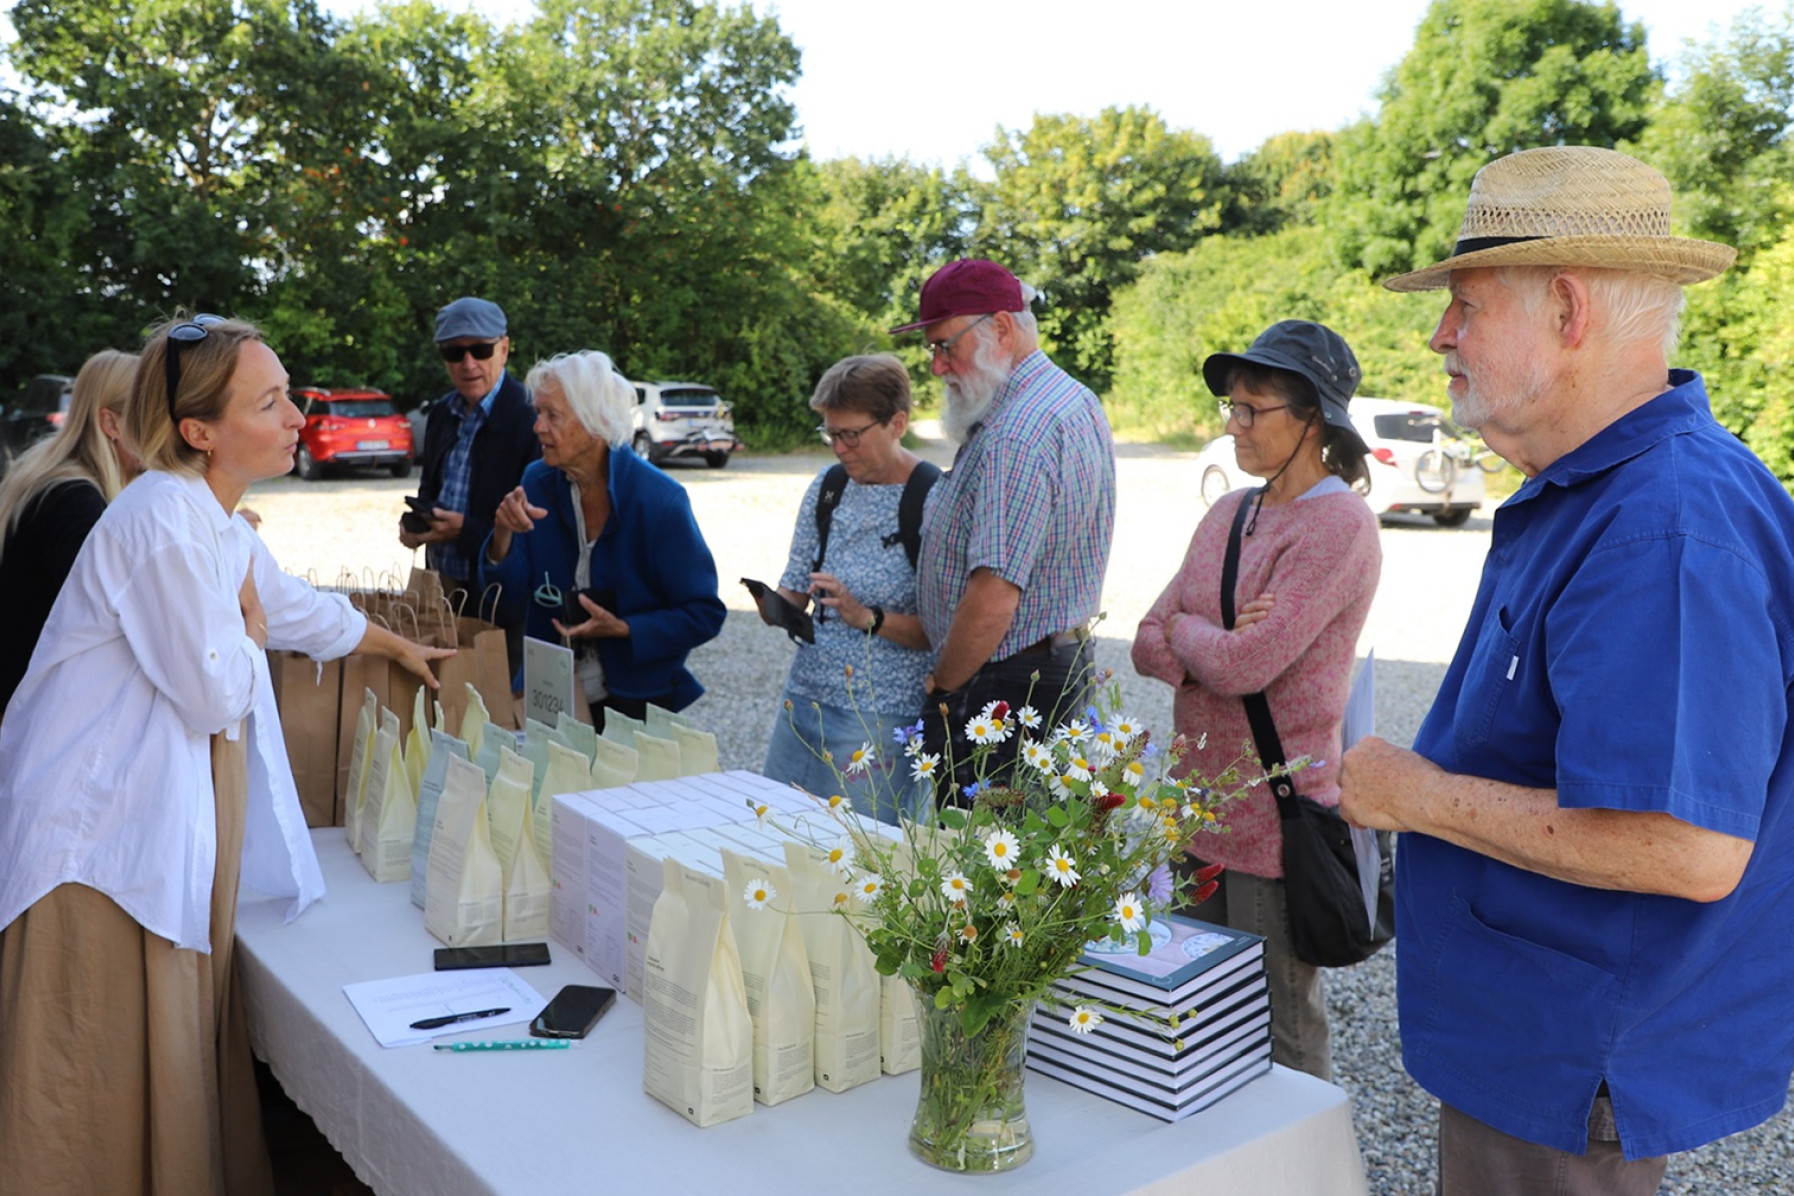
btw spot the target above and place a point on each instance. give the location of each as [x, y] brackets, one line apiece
[1489, 680]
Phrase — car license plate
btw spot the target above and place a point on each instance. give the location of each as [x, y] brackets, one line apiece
[368, 446]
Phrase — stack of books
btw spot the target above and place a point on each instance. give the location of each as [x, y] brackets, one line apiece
[1209, 978]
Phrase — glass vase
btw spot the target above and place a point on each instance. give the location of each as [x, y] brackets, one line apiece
[969, 1115]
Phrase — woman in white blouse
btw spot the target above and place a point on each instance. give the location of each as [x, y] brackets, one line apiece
[141, 769]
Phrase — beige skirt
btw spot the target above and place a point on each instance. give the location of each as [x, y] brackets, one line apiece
[124, 1061]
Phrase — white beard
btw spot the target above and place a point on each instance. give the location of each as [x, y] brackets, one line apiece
[970, 395]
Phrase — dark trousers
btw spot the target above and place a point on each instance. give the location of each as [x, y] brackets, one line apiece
[1055, 681]
[635, 708]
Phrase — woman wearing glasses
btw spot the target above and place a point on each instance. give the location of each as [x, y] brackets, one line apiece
[53, 495]
[863, 676]
[1308, 565]
[142, 768]
[601, 548]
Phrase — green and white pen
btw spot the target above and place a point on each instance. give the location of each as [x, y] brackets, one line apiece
[523, 1044]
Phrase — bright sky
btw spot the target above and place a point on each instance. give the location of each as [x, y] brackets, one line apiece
[882, 79]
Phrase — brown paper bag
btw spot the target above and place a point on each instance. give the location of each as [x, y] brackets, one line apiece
[307, 693]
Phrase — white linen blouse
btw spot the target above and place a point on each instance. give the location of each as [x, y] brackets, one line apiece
[105, 759]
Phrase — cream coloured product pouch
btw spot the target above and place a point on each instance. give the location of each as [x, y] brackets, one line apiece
[474, 719]
[528, 891]
[658, 758]
[620, 728]
[614, 764]
[698, 1055]
[464, 896]
[582, 736]
[776, 973]
[841, 970]
[567, 771]
[389, 816]
[697, 750]
[534, 748]
[899, 1033]
[366, 720]
[429, 793]
[507, 805]
[661, 721]
[417, 741]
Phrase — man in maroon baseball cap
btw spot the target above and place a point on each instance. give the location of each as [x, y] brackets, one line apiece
[1017, 538]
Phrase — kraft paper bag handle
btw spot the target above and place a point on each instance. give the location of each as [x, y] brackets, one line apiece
[497, 592]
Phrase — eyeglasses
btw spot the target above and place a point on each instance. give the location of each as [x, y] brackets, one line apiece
[1231, 410]
[190, 333]
[454, 353]
[944, 348]
[847, 436]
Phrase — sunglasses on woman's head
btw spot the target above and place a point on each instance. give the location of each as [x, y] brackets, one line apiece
[190, 333]
[454, 353]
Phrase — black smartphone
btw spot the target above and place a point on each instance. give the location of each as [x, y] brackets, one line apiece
[798, 624]
[573, 1012]
[419, 518]
[506, 955]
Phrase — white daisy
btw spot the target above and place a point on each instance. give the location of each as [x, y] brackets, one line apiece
[1129, 912]
[1061, 867]
[1000, 849]
[758, 893]
[1127, 728]
[1084, 1019]
[840, 858]
[867, 887]
[861, 759]
[1028, 717]
[924, 766]
[1077, 769]
[956, 887]
[1037, 757]
[1075, 731]
[1012, 934]
[984, 730]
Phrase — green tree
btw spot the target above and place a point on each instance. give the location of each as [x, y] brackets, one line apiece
[1079, 203]
[1484, 78]
[1722, 135]
[1285, 181]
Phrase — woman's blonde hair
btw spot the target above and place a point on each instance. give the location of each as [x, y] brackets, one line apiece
[206, 366]
[79, 450]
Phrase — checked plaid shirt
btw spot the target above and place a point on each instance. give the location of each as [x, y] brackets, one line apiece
[1031, 497]
[457, 474]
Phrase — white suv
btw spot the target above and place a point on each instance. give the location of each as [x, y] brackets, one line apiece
[1419, 462]
[682, 419]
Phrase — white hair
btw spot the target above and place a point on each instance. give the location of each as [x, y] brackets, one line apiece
[1630, 306]
[601, 398]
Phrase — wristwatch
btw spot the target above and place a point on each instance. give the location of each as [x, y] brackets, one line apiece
[878, 619]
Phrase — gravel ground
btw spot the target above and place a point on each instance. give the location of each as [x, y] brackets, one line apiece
[327, 528]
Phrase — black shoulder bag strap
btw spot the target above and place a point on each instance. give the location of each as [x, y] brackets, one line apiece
[834, 483]
[1258, 710]
[910, 507]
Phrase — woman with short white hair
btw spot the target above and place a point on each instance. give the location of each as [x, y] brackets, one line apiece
[599, 549]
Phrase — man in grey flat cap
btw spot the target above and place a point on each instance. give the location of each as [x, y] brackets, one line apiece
[477, 441]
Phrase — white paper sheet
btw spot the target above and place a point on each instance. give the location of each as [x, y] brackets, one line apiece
[1361, 720]
[390, 1006]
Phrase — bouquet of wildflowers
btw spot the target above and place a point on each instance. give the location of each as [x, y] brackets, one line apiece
[994, 900]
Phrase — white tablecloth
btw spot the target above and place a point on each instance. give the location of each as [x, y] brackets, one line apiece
[418, 1122]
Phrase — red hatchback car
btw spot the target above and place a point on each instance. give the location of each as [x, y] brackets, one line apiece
[350, 427]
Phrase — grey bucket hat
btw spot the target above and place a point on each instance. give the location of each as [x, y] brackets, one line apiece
[1313, 352]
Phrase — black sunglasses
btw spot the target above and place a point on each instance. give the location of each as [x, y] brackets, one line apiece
[454, 353]
[190, 333]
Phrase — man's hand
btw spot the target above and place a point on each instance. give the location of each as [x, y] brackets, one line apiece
[445, 525]
[1375, 777]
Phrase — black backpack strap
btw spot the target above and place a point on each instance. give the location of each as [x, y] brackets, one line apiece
[1258, 710]
[909, 509]
[834, 484]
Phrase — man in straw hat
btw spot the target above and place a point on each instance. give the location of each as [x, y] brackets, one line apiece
[1600, 806]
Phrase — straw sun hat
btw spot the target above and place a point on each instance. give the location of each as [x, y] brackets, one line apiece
[1572, 205]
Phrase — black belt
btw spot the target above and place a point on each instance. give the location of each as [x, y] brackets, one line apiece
[1046, 643]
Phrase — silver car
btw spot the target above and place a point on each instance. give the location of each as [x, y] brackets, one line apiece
[1419, 462]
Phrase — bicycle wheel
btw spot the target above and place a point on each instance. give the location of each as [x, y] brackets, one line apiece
[1490, 462]
[1435, 470]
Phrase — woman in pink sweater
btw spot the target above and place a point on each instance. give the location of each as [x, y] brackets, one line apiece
[1309, 560]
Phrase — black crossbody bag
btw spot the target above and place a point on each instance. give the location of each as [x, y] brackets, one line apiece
[1321, 887]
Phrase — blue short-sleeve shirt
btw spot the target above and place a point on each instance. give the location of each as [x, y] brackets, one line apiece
[1632, 647]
